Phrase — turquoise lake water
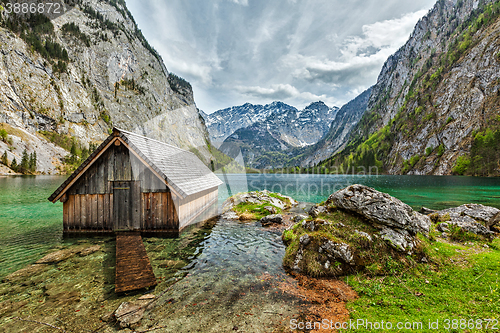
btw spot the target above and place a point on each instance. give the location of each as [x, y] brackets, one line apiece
[30, 224]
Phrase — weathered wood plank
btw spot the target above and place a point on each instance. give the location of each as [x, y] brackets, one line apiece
[65, 214]
[77, 211]
[136, 204]
[111, 212]
[118, 165]
[127, 168]
[83, 211]
[159, 211]
[164, 211]
[111, 166]
[100, 211]
[106, 208]
[147, 205]
[101, 182]
[71, 211]
[154, 204]
[170, 207]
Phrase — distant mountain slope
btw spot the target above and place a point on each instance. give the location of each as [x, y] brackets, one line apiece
[336, 138]
[223, 123]
[436, 108]
[272, 141]
[84, 72]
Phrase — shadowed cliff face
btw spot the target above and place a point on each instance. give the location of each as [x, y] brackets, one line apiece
[110, 76]
[433, 93]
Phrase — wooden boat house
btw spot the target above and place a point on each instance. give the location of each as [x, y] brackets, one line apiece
[131, 182]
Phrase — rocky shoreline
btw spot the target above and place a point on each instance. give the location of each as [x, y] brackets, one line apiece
[356, 230]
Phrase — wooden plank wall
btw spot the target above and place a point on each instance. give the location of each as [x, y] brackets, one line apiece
[159, 212]
[92, 212]
[193, 205]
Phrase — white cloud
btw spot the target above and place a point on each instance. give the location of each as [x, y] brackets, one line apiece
[240, 2]
[361, 56]
[276, 91]
[279, 92]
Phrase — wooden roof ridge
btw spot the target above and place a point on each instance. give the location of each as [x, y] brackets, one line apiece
[188, 185]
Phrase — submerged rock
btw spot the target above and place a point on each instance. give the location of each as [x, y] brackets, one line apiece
[89, 250]
[26, 272]
[129, 314]
[57, 256]
[272, 219]
[381, 209]
[230, 215]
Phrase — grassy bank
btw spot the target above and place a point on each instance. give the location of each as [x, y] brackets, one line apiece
[460, 282]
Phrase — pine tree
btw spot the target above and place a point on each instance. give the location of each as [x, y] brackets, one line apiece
[14, 165]
[25, 162]
[3, 135]
[32, 163]
[5, 161]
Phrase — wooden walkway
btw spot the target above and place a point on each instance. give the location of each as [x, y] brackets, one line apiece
[133, 269]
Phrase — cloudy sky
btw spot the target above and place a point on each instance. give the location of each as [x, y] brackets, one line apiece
[259, 51]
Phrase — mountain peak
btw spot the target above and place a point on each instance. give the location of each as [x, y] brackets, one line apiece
[316, 105]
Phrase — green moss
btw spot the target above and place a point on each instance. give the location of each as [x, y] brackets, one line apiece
[254, 211]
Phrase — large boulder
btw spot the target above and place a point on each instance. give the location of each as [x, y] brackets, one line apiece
[381, 209]
[476, 212]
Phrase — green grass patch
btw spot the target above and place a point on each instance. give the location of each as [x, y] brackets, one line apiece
[251, 211]
[459, 282]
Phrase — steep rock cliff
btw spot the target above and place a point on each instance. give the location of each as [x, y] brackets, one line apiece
[109, 76]
[436, 97]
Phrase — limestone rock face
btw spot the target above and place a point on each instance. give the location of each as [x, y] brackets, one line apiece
[337, 251]
[115, 80]
[381, 209]
[399, 239]
[467, 225]
[435, 103]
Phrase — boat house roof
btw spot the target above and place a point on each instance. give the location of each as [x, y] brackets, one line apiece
[181, 170]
